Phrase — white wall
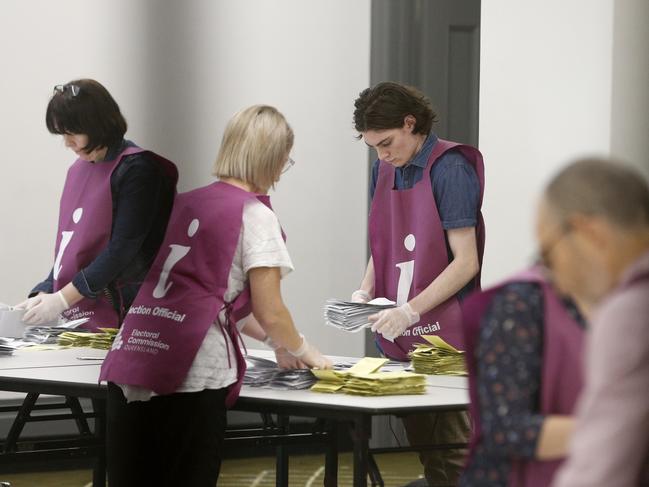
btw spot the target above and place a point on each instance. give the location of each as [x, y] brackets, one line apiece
[630, 83]
[545, 97]
[558, 79]
[179, 70]
[42, 44]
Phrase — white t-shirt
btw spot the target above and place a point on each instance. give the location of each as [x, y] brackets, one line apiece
[260, 245]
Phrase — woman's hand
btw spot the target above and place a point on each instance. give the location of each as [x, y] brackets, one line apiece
[287, 361]
[44, 308]
[29, 303]
[311, 356]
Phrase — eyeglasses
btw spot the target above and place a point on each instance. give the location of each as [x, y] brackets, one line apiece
[62, 89]
[288, 165]
[545, 251]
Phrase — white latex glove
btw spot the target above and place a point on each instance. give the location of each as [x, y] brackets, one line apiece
[360, 296]
[284, 359]
[29, 303]
[392, 322]
[310, 356]
[47, 309]
[287, 361]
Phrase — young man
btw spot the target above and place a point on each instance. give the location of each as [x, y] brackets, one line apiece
[426, 239]
[593, 230]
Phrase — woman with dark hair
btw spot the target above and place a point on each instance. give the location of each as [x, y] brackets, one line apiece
[113, 213]
[426, 238]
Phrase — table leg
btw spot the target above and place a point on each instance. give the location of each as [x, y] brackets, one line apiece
[331, 456]
[77, 410]
[374, 472]
[99, 472]
[361, 437]
[281, 456]
[19, 423]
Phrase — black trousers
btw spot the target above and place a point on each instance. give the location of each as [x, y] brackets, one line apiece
[174, 440]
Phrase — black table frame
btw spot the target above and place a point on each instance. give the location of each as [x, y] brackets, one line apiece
[332, 418]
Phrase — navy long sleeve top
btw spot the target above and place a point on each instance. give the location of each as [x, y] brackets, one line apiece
[142, 200]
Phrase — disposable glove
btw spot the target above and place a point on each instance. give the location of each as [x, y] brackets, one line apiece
[392, 322]
[284, 359]
[44, 308]
[287, 361]
[360, 296]
[310, 356]
[28, 303]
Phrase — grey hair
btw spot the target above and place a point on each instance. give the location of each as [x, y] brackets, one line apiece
[601, 187]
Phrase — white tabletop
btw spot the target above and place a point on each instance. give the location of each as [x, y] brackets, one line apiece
[64, 366]
[27, 358]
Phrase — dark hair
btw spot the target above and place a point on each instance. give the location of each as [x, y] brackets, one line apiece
[387, 104]
[84, 106]
[601, 187]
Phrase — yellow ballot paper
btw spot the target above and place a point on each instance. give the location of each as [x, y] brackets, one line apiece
[102, 340]
[367, 365]
[437, 357]
[365, 379]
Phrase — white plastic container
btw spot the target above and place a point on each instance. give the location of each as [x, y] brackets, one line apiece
[11, 325]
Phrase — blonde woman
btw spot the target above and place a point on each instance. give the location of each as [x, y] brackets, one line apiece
[176, 365]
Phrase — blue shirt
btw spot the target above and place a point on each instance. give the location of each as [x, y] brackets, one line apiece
[455, 184]
[456, 188]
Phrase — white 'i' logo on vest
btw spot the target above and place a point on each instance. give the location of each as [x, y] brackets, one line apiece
[65, 240]
[407, 272]
[177, 253]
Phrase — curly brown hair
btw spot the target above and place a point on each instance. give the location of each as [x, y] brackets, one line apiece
[385, 106]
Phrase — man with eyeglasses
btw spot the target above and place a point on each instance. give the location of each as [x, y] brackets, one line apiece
[593, 224]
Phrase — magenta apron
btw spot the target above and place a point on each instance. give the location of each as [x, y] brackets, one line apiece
[183, 294]
[85, 222]
[561, 372]
[408, 247]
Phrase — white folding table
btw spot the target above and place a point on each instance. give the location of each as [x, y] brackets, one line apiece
[60, 372]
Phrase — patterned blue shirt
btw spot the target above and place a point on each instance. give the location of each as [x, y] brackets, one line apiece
[509, 355]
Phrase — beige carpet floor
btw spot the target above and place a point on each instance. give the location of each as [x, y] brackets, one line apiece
[397, 470]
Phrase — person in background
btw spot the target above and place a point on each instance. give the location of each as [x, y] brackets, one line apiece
[524, 354]
[593, 228]
[426, 236]
[172, 374]
[113, 212]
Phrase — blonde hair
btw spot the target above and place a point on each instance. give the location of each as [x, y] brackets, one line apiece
[255, 145]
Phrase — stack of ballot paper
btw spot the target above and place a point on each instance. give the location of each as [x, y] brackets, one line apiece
[365, 379]
[437, 357]
[102, 340]
[352, 317]
[49, 334]
[261, 372]
[7, 347]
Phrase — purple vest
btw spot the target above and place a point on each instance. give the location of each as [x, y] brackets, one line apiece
[85, 223]
[183, 294]
[561, 372]
[408, 247]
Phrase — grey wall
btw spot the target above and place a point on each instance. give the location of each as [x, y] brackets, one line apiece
[179, 70]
